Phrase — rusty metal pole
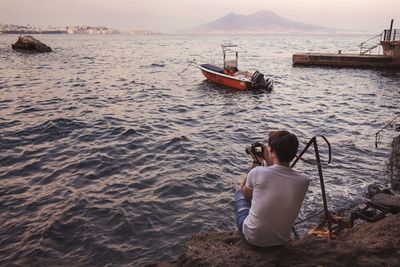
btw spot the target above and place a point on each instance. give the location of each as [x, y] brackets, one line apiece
[390, 30]
[321, 179]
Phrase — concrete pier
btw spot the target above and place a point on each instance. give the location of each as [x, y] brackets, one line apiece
[345, 60]
[389, 40]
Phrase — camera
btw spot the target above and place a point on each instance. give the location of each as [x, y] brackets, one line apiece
[256, 149]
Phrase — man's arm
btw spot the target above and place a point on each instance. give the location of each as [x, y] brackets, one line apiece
[247, 192]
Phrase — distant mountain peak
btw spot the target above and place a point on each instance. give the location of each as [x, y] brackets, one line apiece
[260, 21]
[264, 12]
[230, 14]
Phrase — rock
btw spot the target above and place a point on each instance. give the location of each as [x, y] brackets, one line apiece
[30, 44]
[395, 164]
[370, 244]
[375, 188]
[387, 200]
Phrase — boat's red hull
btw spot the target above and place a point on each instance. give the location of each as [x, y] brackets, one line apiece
[225, 80]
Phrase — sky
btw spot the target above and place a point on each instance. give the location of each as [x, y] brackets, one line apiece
[172, 15]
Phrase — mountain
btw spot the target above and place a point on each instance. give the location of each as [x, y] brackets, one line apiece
[261, 21]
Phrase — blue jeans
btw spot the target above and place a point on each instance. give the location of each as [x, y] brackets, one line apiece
[242, 206]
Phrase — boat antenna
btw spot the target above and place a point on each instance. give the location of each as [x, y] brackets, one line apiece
[228, 47]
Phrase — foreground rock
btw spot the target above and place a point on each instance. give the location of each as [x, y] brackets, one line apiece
[30, 44]
[395, 164]
[370, 244]
[392, 202]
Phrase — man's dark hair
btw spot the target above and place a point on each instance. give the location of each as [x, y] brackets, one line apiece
[284, 144]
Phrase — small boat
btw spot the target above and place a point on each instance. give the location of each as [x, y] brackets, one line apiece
[231, 76]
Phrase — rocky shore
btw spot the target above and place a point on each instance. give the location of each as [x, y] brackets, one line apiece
[370, 244]
[367, 244]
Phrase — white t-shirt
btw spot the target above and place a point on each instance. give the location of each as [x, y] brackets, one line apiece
[278, 193]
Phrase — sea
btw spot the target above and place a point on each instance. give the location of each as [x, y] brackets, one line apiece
[115, 150]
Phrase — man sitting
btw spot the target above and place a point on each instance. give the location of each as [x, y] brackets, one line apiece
[269, 199]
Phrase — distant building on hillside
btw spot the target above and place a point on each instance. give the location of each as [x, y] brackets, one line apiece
[18, 29]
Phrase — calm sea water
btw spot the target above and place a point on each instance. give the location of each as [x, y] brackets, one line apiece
[108, 157]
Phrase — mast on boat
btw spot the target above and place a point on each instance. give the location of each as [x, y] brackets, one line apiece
[227, 49]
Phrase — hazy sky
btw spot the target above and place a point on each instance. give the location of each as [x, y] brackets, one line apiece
[164, 15]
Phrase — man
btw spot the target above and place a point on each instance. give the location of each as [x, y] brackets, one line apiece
[269, 199]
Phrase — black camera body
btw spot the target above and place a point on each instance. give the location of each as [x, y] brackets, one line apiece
[256, 149]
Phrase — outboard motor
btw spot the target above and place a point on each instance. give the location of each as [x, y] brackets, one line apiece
[259, 81]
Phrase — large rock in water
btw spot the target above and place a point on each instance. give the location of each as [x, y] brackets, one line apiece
[30, 44]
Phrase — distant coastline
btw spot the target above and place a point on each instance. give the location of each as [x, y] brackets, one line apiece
[33, 32]
[19, 29]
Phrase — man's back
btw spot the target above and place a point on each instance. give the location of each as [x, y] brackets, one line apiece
[278, 193]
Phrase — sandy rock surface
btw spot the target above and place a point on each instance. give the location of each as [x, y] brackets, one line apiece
[370, 244]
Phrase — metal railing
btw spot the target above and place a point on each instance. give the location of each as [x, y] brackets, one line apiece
[370, 44]
[373, 43]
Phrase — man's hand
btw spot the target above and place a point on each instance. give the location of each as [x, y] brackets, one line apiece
[247, 192]
[257, 161]
[267, 155]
